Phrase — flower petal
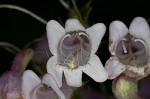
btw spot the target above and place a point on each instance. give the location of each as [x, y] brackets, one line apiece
[55, 70]
[49, 80]
[114, 68]
[117, 30]
[54, 33]
[139, 28]
[137, 72]
[73, 77]
[73, 25]
[95, 69]
[96, 32]
[67, 90]
[29, 82]
[43, 92]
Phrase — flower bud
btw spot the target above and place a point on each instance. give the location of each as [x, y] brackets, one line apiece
[125, 88]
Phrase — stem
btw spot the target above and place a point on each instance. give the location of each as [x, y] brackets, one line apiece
[8, 45]
[21, 60]
[104, 90]
[33, 41]
[37, 68]
[23, 10]
[77, 10]
[64, 4]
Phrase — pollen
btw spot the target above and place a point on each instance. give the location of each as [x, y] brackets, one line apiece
[72, 64]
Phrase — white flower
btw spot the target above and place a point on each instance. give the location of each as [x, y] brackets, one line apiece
[33, 87]
[73, 50]
[130, 49]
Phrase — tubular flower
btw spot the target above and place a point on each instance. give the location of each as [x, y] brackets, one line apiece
[10, 82]
[130, 49]
[34, 88]
[73, 50]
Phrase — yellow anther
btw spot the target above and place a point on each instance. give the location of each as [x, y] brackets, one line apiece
[72, 64]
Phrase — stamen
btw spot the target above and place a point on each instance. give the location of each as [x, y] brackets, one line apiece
[67, 35]
[77, 60]
[71, 54]
[124, 48]
[45, 86]
[141, 42]
[67, 59]
[72, 64]
[77, 35]
[82, 33]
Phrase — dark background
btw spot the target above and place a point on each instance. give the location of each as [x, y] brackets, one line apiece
[19, 28]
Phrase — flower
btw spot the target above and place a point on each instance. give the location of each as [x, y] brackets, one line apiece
[130, 56]
[129, 49]
[35, 88]
[73, 50]
[42, 50]
[10, 85]
[10, 82]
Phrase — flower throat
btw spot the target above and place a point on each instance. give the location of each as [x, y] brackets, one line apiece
[74, 49]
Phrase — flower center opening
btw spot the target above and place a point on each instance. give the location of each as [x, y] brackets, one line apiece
[132, 51]
[44, 92]
[74, 49]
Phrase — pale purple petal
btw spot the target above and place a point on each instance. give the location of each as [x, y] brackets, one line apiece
[95, 69]
[139, 28]
[42, 50]
[21, 60]
[54, 34]
[114, 68]
[29, 82]
[137, 72]
[96, 32]
[73, 25]
[43, 92]
[66, 89]
[73, 77]
[55, 70]
[117, 30]
[49, 80]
